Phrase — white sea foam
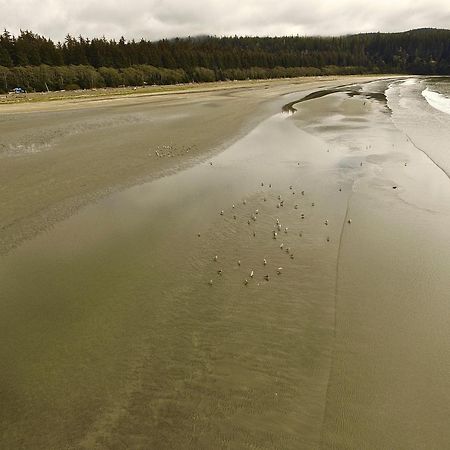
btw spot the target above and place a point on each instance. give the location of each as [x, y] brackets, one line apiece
[437, 101]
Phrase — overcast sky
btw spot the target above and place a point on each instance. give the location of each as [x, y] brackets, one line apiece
[155, 19]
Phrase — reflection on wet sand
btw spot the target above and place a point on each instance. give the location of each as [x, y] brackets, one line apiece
[284, 296]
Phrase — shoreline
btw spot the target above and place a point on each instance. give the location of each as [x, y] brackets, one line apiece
[98, 94]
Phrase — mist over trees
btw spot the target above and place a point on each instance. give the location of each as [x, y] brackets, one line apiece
[36, 63]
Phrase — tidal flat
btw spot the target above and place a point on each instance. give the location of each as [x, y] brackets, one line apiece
[254, 267]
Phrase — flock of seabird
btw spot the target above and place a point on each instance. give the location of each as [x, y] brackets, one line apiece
[171, 151]
[277, 231]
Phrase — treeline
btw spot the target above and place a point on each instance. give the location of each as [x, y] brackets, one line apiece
[48, 78]
[37, 63]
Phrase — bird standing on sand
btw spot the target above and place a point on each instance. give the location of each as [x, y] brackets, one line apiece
[216, 258]
[265, 262]
[210, 282]
[279, 270]
[251, 274]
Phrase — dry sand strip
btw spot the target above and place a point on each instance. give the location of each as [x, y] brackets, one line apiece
[58, 156]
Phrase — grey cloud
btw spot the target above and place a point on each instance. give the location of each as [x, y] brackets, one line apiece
[168, 18]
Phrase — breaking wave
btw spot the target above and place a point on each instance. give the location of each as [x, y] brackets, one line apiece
[437, 101]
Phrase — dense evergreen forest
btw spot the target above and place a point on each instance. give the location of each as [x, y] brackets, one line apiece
[35, 63]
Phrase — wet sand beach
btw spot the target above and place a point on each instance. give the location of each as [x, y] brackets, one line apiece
[168, 314]
[60, 155]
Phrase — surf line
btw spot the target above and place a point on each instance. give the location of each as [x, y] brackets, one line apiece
[428, 156]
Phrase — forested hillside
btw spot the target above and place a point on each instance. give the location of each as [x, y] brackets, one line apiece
[36, 63]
